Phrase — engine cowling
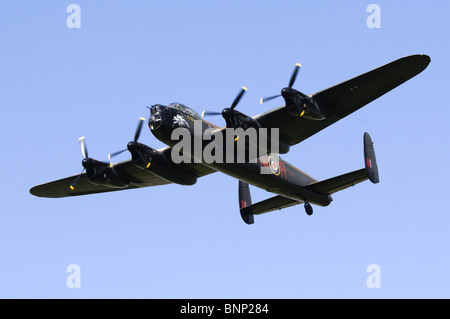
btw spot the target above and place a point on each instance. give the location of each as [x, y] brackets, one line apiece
[235, 119]
[308, 109]
[302, 105]
[156, 162]
[99, 173]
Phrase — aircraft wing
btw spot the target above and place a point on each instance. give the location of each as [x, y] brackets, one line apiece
[138, 178]
[344, 98]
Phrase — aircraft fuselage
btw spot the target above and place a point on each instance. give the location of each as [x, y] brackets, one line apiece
[268, 171]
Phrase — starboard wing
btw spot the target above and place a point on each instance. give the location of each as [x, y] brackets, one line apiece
[343, 99]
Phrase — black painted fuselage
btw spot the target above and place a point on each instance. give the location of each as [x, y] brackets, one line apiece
[268, 171]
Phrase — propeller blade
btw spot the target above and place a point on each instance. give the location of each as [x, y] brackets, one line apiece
[294, 74]
[111, 155]
[139, 129]
[263, 100]
[72, 186]
[83, 147]
[136, 137]
[210, 113]
[238, 97]
[116, 153]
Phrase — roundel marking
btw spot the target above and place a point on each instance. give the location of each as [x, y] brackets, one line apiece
[273, 163]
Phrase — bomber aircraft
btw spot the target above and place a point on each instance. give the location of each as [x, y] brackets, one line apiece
[299, 118]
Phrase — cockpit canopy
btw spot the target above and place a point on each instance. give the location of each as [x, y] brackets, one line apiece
[185, 109]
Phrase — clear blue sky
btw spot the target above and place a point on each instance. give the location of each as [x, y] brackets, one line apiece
[57, 84]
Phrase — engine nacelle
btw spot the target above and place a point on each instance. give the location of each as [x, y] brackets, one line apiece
[302, 105]
[99, 173]
[306, 107]
[158, 163]
[235, 119]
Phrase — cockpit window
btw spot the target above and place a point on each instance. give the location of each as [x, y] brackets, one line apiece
[185, 109]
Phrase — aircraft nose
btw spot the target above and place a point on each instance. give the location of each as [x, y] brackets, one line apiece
[154, 122]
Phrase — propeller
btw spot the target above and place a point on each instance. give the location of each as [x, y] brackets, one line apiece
[291, 83]
[294, 74]
[210, 113]
[83, 147]
[238, 97]
[84, 162]
[131, 144]
[233, 105]
[139, 129]
[234, 118]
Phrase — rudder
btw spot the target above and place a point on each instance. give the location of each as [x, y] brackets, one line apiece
[245, 200]
[370, 160]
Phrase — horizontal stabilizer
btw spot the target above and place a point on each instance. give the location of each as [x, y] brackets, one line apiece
[248, 210]
[335, 184]
[338, 183]
[271, 204]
